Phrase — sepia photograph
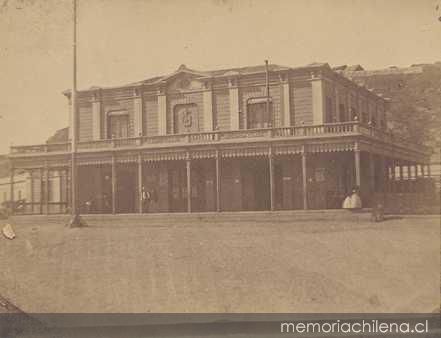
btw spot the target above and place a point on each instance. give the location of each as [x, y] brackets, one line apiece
[220, 168]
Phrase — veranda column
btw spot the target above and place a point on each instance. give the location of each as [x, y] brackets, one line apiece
[271, 174]
[429, 174]
[46, 188]
[393, 175]
[31, 189]
[357, 168]
[218, 181]
[409, 172]
[12, 187]
[304, 181]
[188, 166]
[41, 190]
[113, 184]
[140, 184]
[422, 170]
[372, 172]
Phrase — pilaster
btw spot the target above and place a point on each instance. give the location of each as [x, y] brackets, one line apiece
[317, 99]
[208, 107]
[162, 112]
[96, 116]
[234, 103]
[137, 110]
[286, 100]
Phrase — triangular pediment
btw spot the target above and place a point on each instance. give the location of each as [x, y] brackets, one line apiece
[184, 79]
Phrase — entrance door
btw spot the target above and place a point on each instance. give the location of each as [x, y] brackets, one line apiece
[262, 184]
[256, 185]
[125, 192]
[178, 188]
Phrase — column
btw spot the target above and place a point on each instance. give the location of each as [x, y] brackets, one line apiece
[409, 172]
[372, 172]
[422, 170]
[304, 181]
[218, 181]
[12, 172]
[46, 188]
[234, 104]
[137, 113]
[416, 170]
[393, 178]
[271, 174]
[317, 101]
[357, 168]
[42, 196]
[286, 103]
[96, 118]
[114, 192]
[31, 190]
[429, 174]
[208, 107]
[383, 174]
[140, 183]
[162, 113]
[188, 167]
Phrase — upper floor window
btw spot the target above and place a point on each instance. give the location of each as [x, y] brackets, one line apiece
[118, 124]
[342, 112]
[329, 111]
[259, 113]
[365, 117]
[354, 113]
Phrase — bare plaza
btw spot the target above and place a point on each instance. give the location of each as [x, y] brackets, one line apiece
[187, 165]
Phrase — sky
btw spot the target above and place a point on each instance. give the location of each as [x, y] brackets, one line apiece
[122, 41]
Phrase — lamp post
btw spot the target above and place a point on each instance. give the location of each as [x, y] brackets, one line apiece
[75, 220]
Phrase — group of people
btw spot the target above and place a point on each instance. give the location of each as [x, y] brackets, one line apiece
[352, 200]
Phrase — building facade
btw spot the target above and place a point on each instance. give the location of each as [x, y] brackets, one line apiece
[252, 138]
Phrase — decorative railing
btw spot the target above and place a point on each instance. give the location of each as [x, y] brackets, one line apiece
[331, 129]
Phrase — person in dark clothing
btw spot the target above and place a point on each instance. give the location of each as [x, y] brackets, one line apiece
[146, 199]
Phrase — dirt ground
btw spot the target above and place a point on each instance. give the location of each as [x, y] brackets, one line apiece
[392, 266]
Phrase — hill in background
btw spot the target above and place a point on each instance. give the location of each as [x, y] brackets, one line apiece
[415, 93]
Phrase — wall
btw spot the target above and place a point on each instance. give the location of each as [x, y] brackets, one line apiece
[21, 187]
[330, 92]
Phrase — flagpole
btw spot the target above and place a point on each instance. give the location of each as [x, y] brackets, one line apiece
[75, 221]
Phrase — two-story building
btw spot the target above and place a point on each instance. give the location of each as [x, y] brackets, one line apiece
[251, 138]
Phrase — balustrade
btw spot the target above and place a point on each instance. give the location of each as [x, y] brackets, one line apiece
[218, 136]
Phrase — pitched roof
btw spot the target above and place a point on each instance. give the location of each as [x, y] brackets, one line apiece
[247, 70]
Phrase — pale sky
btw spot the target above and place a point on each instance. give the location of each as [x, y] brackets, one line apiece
[122, 41]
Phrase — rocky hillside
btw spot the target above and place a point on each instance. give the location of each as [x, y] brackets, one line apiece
[415, 93]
